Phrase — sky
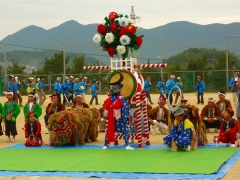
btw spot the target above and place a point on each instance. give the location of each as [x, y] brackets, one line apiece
[18, 14]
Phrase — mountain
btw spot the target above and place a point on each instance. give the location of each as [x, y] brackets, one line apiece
[176, 37]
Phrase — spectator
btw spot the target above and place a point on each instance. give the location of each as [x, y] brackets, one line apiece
[83, 88]
[79, 102]
[94, 90]
[228, 128]
[200, 88]
[58, 89]
[76, 87]
[180, 85]
[17, 91]
[238, 104]
[161, 86]
[53, 107]
[12, 85]
[211, 115]
[147, 88]
[158, 117]
[70, 89]
[223, 103]
[41, 93]
[169, 85]
[65, 91]
[232, 86]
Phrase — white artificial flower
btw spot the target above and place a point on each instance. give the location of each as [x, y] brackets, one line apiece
[109, 37]
[123, 21]
[125, 40]
[121, 49]
[131, 21]
[97, 38]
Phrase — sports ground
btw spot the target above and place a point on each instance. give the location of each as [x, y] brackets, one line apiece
[154, 162]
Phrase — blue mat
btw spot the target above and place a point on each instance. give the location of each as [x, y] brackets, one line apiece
[222, 171]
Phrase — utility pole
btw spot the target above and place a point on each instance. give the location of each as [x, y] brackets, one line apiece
[99, 64]
[226, 63]
[64, 67]
[161, 56]
[5, 66]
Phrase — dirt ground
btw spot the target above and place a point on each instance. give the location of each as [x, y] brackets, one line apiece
[233, 174]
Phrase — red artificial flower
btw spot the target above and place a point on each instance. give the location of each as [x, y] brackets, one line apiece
[111, 51]
[101, 28]
[112, 16]
[61, 120]
[122, 31]
[113, 27]
[139, 41]
[131, 29]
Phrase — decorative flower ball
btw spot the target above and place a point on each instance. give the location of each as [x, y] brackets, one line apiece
[118, 35]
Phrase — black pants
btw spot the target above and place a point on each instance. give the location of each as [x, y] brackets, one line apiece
[170, 98]
[149, 97]
[70, 98]
[46, 119]
[10, 128]
[59, 98]
[200, 95]
[214, 124]
[96, 99]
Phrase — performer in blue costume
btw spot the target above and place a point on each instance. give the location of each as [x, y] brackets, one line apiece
[182, 132]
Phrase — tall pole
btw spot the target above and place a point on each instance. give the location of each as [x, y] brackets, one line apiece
[99, 64]
[161, 56]
[5, 66]
[226, 63]
[64, 68]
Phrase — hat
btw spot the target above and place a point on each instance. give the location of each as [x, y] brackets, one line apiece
[53, 96]
[8, 92]
[172, 76]
[38, 79]
[32, 94]
[179, 111]
[236, 72]
[116, 88]
[78, 96]
[178, 77]
[76, 79]
[211, 99]
[94, 80]
[222, 93]
[71, 77]
[31, 78]
[11, 76]
[162, 99]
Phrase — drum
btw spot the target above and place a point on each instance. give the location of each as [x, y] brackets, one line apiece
[129, 83]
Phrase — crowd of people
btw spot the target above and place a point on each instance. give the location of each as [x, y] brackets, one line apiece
[182, 127]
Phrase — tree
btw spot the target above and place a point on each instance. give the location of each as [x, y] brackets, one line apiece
[55, 64]
[77, 65]
[15, 68]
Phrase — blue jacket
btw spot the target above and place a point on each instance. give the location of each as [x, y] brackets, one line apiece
[169, 85]
[94, 89]
[230, 84]
[147, 86]
[160, 86]
[64, 87]
[12, 86]
[40, 86]
[76, 89]
[180, 85]
[70, 86]
[200, 87]
[57, 87]
[17, 86]
[83, 87]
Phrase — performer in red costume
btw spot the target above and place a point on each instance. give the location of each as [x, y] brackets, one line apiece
[33, 131]
[228, 128]
[116, 112]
